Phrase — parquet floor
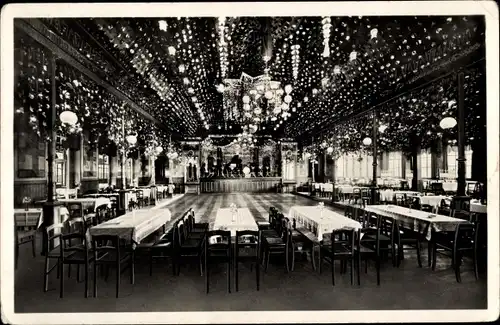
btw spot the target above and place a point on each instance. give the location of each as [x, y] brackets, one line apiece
[407, 287]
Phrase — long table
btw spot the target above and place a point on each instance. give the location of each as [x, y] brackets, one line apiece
[321, 220]
[417, 220]
[231, 185]
[241, 219]
[135, 225]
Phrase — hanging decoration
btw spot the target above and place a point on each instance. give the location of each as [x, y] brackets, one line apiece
[326, 36]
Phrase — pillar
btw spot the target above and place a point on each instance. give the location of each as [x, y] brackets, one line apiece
[374, 153]
[461, 135]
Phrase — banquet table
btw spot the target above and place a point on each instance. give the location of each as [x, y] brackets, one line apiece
[133, 226]
[388, 195]
[321, 220]
[242, 220]
[417, 220]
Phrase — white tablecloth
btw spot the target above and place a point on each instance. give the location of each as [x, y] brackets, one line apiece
[28, 218]
[243, 220]
[478, 208]
[88, 202]
[135, 225]
[421, 221]
[321, 221]
[432, 200]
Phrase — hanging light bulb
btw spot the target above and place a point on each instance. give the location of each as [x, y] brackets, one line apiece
[374, 33]
[162, 25]
[353, 55]
[268, 94]
[171, 50]
[246, 99]
[448, 123]
[220, 88]
[367, 141]
[69, 118]
[182, 68]
[288, 99]
[131, 139]
[329, 150]
[288, 89]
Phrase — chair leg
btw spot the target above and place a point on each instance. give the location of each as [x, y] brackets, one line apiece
[313, 260]
[352, 270]
[33, 246]
[358, 267]
[378, 270]
[434, 257]
[257, 274]
[46, 275]
[419, 260]
[58, 269]
[457, 262]
[61, 292]
[474, 257]
[16, 255]
[319, 260]
[132, 268]
[236, 274]
[429, 253]
[207, 272]
[151, 262]
[229, 275]
[95, 279]
[118, 278]
[267, 260]
[86, 280]
[333, 271]
[78, 273]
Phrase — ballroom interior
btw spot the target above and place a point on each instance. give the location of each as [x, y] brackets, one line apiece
[249, 164]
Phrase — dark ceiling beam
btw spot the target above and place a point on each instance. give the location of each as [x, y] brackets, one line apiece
[53, 42]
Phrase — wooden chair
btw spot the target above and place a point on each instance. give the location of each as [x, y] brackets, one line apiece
[54, 252]
[109, 251]
[367, 248]
[159, 246]
[74, 255]
[275, 244]
[464, 240]
[217, 249]
[404, 240]
[247, 248]
[340, 247]
[187, 248]
[296, 243]
[24, 233]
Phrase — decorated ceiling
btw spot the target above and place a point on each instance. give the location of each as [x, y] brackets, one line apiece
[293, 77]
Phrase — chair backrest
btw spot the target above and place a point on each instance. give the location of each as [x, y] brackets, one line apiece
[460, 207]
[66, 247]
[218, 240]
[54, 235]
[368, 237]
[75, 209]
[110, 245]
[342, 239]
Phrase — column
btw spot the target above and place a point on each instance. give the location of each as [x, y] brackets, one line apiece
[461, 135]
[374, 153]
[113, 169]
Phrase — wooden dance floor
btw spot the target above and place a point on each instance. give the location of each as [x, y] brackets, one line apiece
[207, 205]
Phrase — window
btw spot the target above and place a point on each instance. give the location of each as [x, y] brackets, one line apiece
[60, 173]
[90, 160]
[426, 163]
[453, 163]
[394, 165]
[103, 167]
[30, 155]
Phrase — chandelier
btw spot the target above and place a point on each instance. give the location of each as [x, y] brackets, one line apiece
[253, 100]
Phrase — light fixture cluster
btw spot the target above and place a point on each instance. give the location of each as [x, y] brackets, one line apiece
[223, 49]
[295, 60]
[326, 22]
